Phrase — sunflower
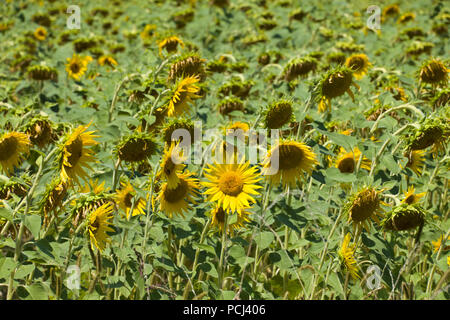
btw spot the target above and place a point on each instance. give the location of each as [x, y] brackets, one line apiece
[299, 67]
[13, 146]
[148, 32]
[440, 242]
[169, 168]
[77, 66]
[289, 159]
[176, 201]
[406, 17]
[40, 33]
[411, 197]
[218, 216]
[125, 197]
[433, 131]
[229, 105]
[347, 256]
[42, 73]
[346, 161]
[359, 64]
[363, 207]
[107, 60]
[404, 217]
[434, 72]
[75, 154]
[99, 225]
[416, 161]
[174, 124]
[136, 147]
[334, 84]
[40, 131]
[93, 187]
[184, 92]
[231, 185]
[170, 44]
[278, 114]
[188, 65]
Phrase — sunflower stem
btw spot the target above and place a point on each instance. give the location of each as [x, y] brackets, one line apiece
[222, 252]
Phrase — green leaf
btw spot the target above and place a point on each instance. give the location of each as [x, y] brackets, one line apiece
[227, 295]
[38, 291]
[205, 247]
[336, 175]
[33, 223]
[264, 239]
[6, 213]
[6, 266]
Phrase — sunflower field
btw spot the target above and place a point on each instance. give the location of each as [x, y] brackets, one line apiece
[127, 138]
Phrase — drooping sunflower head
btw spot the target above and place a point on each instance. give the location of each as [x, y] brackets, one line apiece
[13, 147]
[278, 114]
[419, 47]
[411, 197]
[336, 58]
[364, 206]
[53, 197]
[170, 44]
[170, 127]
[218, 216]
[236, 87]
[359, 64]
[404, 217]
[40, 131]
[125, 198]
[172, 165]
[75, 153]
[188, 65]
[231, 186]
[335, 83]
[176, 201]
[390, 11]
[441, 98]
[299, 67]
[14, 186]
[99, 224]
[346, 162]
[435, 72]
[136, 147]
[347, 256]
[77, 66]
[406, 17]
[228, 105]
[433, 131]
[287, 162]
[42, 73]
[107, 60]
[183, 94]
[40, 33]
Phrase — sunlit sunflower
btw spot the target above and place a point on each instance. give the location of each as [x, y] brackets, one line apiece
[99, 225]
[185, 90]
[346, 161]
[416, 161]
[13, 146]
[77, 66]
[125, 197]
[364, 206]
[440, 242]
[347, 256]
[231, 185]
[170, 44]
[218, 216]
[411, 197]
[40, 33]
[287, 162]
[176, 201]
[107, 60]
[93, 186]
[75, 154]
[171, 165]
[359, 63]
[406, 17]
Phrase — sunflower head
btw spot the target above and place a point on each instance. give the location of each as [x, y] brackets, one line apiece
[149, 32]
[236, 87]
[363, 206]
[441, 242]
[433, 131]
[171, 165]
[218, 216]
[278, 114]
[299, 67]
[230, 104]
[391, 10]
[99, 224]
[287, 162]
[406, 17]
[40, 131]
[13, 147]
[125, 198]
[77, 66]
[416, 161]
[170, 44]
[411, 197]
[337, 58]
[183, 94]
[42, 73]
[359, 64]
[136, 147]
[347, 256]
[53, 197]
[441, 98]
[346, 162]
[419, 47]
[188, 65]
[434, 71]
[40, 33]
[404, 217]
[107, 60]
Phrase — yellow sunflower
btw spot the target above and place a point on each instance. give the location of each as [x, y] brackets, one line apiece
[94, 187]
[176, 201]
[411, 197]
[346, 161]
[440, 242]
[170, 44]
[171, 165]
[231, 185]
[184, 92]
[359, 64]
[124, 198]
[218, 215]
[40, 33]
[75, 154]
[13, 145]
[416, 161]
[99, 225]
[347, 256]
[148, 32]
[77, 66]
[289, 159]
[107, 60]
[363, 207]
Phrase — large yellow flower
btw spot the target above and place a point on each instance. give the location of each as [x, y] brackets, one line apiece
[231, 185]
[411, 197]
[416, 161]
[176, 201]
[184, 92]
[125, 198]
[170, 44]
[359, 64]
[171, 165]
[13, 145]
[347, 256]
[77, 66]
[75, 154]
[99, 225]
[218, 216]
[287, 161]
[346, 161]
[40, 33]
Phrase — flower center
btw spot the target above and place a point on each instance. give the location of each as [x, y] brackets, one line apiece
[75, 67]
[346, 165]
[356, 63]
[220, 215]
[410, 199]
[364, 206]
[127, 200]
[177, 194]
[8, 148]
[231, 183]
[290, 156]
